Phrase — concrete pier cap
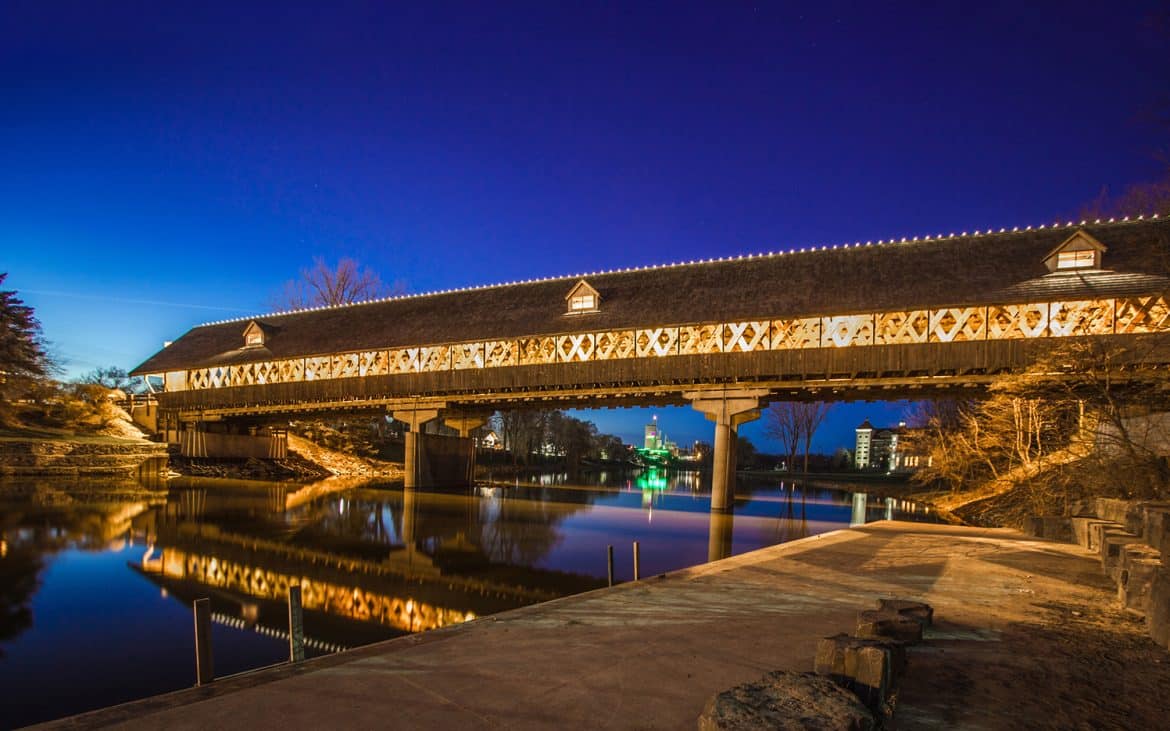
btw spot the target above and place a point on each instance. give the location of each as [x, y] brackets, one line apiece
[728, 408]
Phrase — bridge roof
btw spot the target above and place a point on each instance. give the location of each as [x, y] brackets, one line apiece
[991, 268]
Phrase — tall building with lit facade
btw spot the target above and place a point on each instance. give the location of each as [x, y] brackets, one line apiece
[887, 450]
[876, 449]
[652, 439]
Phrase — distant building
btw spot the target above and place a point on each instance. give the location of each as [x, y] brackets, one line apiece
[887, 449]
[653, 439]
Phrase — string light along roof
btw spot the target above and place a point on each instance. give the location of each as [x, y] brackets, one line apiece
[1069, 225]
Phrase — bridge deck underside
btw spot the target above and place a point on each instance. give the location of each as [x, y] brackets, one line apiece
[875, 372]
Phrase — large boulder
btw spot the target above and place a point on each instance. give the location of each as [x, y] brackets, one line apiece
[787, 701]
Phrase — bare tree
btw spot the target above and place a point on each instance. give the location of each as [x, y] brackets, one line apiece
[1139, 199]
[1086, 419]
[810, 415]
[782, 424]
[794, 424]
[322, 285]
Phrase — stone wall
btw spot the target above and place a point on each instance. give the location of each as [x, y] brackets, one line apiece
[76, 458]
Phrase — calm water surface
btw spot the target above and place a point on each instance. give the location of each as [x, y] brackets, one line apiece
[96, 581]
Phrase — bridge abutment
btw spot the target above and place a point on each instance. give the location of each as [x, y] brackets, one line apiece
[728, 408]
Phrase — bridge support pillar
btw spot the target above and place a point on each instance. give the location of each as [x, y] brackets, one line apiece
[414, 418]
[465, 423]
[728, 409]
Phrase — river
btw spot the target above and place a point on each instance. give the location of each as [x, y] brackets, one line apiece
[97, 579]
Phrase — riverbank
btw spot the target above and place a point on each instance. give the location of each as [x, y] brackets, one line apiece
[1026, 635]
[50, 453]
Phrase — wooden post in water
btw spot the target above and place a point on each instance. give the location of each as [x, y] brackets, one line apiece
[609, 563]
[637, 562]
[204, 673]
[296, 625]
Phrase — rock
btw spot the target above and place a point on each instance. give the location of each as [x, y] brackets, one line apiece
[869, 668]
[876, 624]
[786, 700]
[920, 611]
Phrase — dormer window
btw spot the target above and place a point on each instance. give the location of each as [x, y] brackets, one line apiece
[1075, 259]
[583, 302]
[1079, 251]
[253, 335]
[582, 298]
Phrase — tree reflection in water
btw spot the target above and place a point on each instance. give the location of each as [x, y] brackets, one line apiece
[39, 519]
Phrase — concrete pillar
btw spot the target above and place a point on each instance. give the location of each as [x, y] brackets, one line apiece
[728, 409]
[414, 418]
[719, 535]
[465, 423]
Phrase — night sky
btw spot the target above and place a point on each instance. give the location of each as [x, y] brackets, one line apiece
[166, 164]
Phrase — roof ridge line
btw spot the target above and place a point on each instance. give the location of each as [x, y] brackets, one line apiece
[713, 260]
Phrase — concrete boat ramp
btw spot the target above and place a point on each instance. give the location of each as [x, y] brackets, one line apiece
[1026, 635]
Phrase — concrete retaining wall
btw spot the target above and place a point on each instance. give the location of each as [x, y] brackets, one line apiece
[1132, 539]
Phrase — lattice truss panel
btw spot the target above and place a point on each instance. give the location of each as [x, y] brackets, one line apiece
[436, 358]
[799, 333]
[318, 368]
[537, 351]
[1086, 317]
[466, 357]
[499, 353]
[402, 360]
[657, 342]
[958, 324]
[575, 347]
[700, 339]
[744, 337]
[1146, 314]
[198, 378]
[1143, 314]
[846, 330]
[1007, 322]
[895, 328]
[614, 345]
[214, 377]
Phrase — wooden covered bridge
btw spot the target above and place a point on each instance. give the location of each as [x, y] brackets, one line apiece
[891, 319]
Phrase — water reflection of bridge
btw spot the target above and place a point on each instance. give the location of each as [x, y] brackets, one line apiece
[378, 558]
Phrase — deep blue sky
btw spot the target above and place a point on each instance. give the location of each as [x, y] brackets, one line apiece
[165, 164]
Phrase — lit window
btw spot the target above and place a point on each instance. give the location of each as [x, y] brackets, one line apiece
[1075, 259]
[582, 302]
[255, 339]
